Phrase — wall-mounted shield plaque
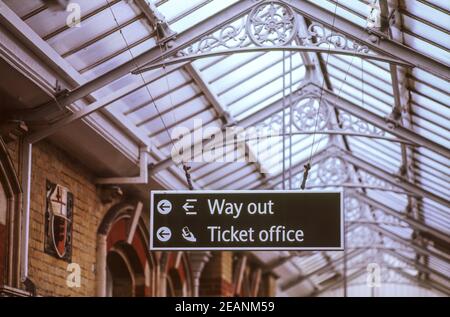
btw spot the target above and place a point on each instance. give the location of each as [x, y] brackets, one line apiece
[58, 222]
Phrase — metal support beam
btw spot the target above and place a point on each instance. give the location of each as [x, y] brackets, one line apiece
[154, 54]
[156, 20]
[291, 48]
[376, 120]
[211, 96]
[97, 105]
[403, 106]
[141, 179]
[384, 6]
[419, 249]
[391, 212]
[392, 178]
[221, 110]
[419, 266]
[375, 41]
[426, 284]
[38, 46]
[277, 106]
[397, 108]
[274, 108]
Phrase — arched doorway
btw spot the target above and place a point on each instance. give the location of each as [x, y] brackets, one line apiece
[125, 273]
[3, 209]
[125, 267]
[174, 285]
[119, 278]
[10, 210]
[177, 275]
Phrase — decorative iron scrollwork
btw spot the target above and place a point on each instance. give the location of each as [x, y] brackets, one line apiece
[352, 123]
[228, 37]
[371, 180]
[318, 35]
[272, 24]
[309, 114]
[333, 170]
[353, 209]
[275, 123]
[362, 236]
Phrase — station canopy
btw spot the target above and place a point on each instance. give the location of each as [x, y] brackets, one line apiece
[358, 89]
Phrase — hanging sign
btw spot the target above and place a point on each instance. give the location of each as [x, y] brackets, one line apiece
[246, 220]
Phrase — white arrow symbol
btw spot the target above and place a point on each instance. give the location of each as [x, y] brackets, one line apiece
[163, 234]
[187, 206]
[164, 207]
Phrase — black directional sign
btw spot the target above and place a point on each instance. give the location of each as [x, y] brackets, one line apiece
[246, 220]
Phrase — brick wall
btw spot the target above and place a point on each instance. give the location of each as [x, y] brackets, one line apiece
[217, 276]
[49, 273]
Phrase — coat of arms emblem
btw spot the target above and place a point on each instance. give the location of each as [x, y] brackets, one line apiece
[58, 221]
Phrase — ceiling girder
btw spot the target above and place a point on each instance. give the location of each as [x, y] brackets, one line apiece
[419, 266]
[418, 248]
[410, 221]
[154, 54]
[393, 179]
[396, 130]
[349, 157]
[362, 35]
[424, 283]
[336, 101]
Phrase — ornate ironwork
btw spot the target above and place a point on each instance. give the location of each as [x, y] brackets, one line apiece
[228, 37]
[354, 209]
[333, 170]
[317, 35]
[271, 24]
[275, 122]
[389, 220]
[307, 111]
[371, 180]
[349, 122]
[362, 236]
[396, 262]
[308, 114]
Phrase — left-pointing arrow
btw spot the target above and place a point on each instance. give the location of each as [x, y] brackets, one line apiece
[187, 206]
[164, 207]
[164, 234]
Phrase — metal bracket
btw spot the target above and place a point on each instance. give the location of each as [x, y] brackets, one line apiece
[12, 130]
[143, 172]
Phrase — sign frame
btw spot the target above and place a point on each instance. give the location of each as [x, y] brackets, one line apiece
[226, 191]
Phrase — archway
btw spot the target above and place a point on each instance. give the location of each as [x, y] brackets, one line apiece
[10, 210]
[125, 267]
[174, 283]
[177, 275]
[119, 278]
